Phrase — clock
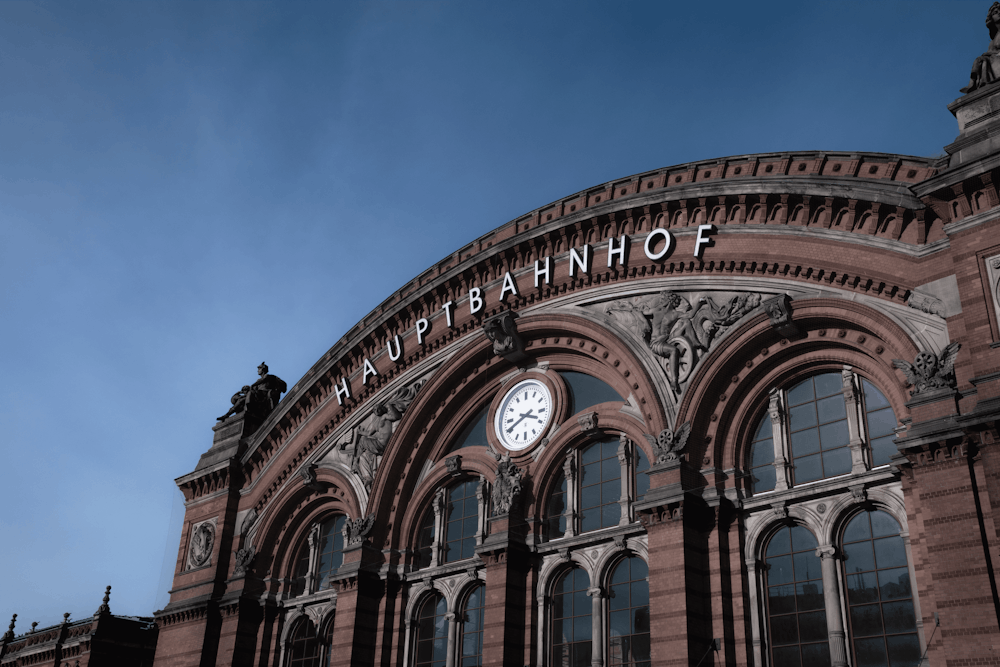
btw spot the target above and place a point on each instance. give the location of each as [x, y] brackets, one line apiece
[523, 415]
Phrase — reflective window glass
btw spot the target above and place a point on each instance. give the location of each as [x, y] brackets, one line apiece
[462, 522]
[330, 550]
[600, 486]
[817, 422]
[881, 422]
[431, 646]
[474, 434]
[471, 642]
[586, 391]
[628, 609]
[762, 475]
[555, 514]
[571, 620]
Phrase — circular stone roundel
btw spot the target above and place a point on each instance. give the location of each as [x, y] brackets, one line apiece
[523, 415]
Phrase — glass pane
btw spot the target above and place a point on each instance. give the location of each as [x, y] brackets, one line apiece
[787, 657]
[474, 434]
[828, 383]
[764, 428]
[586, 391]
[639, 592]
[837, 462]
[858, 557]
[883, 525]
[812, 626]
[802, 539]
[807, 469]
[784, 630]
[874, 399]
[611, 469]
[581, 628]
[881, 423]
[763, 479]
[816, 655]
[809, 595]
[801, 392]
[807, 566]
[780, 543]
[861, 588]
[834, 435]
[591, 454]
[883, 449]
[831, 409]
[870, 652]
[805, 442]
[780, 570]
[889, 552]
[620, 623]
[904, 650]
[610, 515]
[858, 529]
[894, 584]
[781, 599]
[866, 620]
[899, 617]
[762, 453]
[802, 416]
[590, 496]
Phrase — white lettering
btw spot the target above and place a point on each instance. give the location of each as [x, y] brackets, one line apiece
[575, 260]
[475, 300]
[508, 286]
[343, 390]
[651, 242]
[422, 326]
[547, 272]
[447, 313]
[702, 240]
[399, 349]
[369, 370]
[621, 252]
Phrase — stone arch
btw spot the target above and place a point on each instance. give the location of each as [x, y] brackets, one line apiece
[846, 507]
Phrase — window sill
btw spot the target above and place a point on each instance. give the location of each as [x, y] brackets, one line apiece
[821, 487]
[602, 535]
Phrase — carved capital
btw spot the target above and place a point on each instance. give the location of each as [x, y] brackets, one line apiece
[569, 467]
[595, 592]
[826, 551]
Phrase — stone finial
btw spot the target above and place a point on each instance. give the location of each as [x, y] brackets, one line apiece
[104, 608]
[10, 630]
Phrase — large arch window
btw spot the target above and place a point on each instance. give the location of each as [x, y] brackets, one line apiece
[879, 597]
[472, 628]
[320, 556]
[586, 391]
[827, 425]
[453, 525]
[572, 623]
[628, 609]
[596, 487]
[306, 648]
[795, 605]
[431, 642]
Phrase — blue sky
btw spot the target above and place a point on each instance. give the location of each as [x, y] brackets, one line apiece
[187, 189]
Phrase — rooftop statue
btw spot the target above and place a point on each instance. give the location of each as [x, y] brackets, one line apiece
[260, 398]
[986, 68]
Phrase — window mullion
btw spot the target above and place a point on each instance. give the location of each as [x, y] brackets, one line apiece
[779, 439]
[856, 442]
[625, 449]
[482, 498]
[572, 493]
[437, 548]
[313, 539]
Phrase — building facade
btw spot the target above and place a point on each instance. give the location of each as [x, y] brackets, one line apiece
[739, 411]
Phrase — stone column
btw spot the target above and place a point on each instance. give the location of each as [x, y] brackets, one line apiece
[756, 623]
[438, 542]
[407, 640]
[452, 618]
[834, 616]
[782, 470]
[540, 634]
[625, 457]
[313, 540]
[569, 471]
[482, 499]
[596, 626]
[858, 464]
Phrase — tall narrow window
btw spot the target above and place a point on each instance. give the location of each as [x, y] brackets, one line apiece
[432, 633]
[817, 417]
[306, 648]
[472, 629]
[462, 522]
[425, 541]
[629, 611]
[555, 512]
[881, 422]
[879, 597]
[571, 620]
[641, 473]
[795, 605]
[600, 486]
[762, 475]
[331, 550]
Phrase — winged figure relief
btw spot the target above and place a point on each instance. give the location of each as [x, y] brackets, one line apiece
[929, 371]
[668, 445]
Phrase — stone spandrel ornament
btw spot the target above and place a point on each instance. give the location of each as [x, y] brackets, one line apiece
[667, 446]
[506, 487]
[929, 371]
[373, 434]
[986, 68]
[677, 332]
[258, 400]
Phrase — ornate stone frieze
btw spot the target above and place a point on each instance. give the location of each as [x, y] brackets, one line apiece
[668, 445]
[929, 371]
[202, 543]
[356, 530]
[506, 487]
[678, 332]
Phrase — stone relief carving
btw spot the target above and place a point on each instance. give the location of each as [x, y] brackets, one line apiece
[371, 437]
[454, 465]
[244, 557]
[986, 68]
[587, 422]
[506, 487]
[258, 400]
[248, 521]
[676, 331]
[926, 304]
[667, 446]
[202, 541]
[356, 530]
[501, 329]
[928, 371]
[993, 275]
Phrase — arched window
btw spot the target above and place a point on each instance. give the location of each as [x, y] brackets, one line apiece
[306, 648]
[451, 527]
[474, 433]
[809, 429]
[595, 488]
[571, 620]
[879, 597]
[320, 556]
[472, 629]
[431, 644]
[795, 605]
[586, 391]
[628, 609]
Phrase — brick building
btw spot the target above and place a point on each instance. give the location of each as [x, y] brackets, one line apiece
[740, 411]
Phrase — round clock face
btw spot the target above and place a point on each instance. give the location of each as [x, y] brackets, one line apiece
[523, 415]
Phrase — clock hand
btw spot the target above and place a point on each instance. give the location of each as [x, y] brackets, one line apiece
[524, 416]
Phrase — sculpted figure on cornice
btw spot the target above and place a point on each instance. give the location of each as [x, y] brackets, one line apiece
[258, 400]
[373, 434]
[677, 332]
[986, 68]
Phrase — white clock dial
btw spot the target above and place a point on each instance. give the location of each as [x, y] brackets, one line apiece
[523, 415]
